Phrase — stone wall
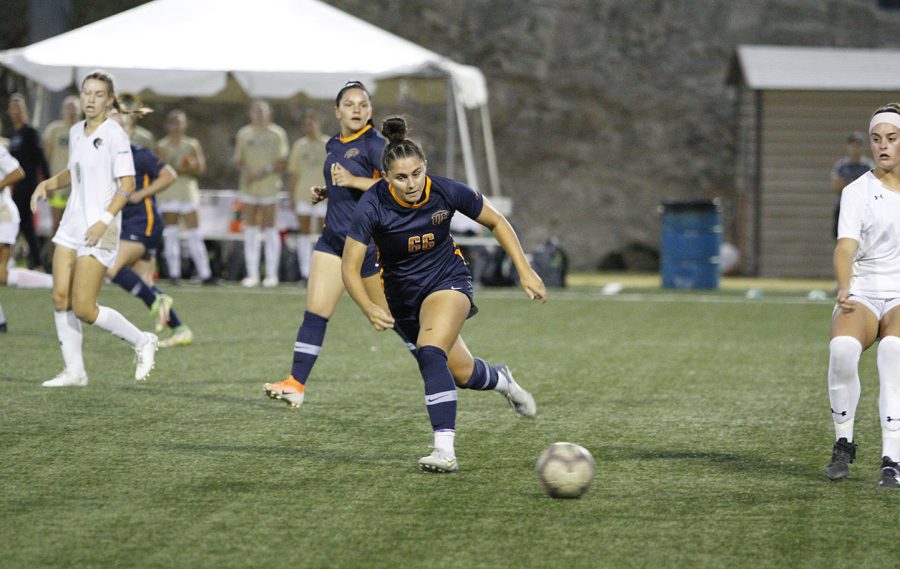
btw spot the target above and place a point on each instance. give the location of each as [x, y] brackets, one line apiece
[601, 109]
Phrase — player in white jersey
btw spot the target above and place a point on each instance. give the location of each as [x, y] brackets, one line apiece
[867, 266]
[101, 174]
[11, 172]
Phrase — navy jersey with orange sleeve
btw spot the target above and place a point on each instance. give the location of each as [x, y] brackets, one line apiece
[141, 220]
[415, 248]
[360, 154]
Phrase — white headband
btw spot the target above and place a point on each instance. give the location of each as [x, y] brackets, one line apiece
[889, 117]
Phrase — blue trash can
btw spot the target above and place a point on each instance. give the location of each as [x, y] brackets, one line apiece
[691, 238]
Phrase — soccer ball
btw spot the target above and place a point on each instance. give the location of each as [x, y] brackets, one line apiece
[565, 470]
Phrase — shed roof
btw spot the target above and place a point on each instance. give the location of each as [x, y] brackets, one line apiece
[815, 68]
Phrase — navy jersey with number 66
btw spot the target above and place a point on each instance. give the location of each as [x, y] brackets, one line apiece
[415, 248]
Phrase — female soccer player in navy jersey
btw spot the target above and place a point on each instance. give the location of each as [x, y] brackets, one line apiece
[427, 282]
[101, 173]
[142, 235]
[352, 166]
[867, 267]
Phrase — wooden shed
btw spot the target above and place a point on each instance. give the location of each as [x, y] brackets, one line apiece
[796, 108]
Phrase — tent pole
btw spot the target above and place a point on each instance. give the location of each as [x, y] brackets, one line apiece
[40, 104]
[489, 151]
[466, 143]
[450, 166]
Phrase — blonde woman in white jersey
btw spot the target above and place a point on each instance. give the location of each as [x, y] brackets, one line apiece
[867, 266]
[101, 174]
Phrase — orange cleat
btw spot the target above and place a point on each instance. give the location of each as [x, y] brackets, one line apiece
[290, 391]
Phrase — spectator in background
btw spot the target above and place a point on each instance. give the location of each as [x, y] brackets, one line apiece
[56, 149]
[260, 154]
[25, 146]
[179, 204]
[4, 142]
[849, 168]
[305, 168]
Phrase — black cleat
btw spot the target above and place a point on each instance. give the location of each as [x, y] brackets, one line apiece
[211, 281]
[842, 455]
[890, 474]
[3, 327]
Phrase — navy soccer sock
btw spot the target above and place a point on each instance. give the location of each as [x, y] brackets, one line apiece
[310, 338]
[440, 390]
[132, 283]
[483, 378]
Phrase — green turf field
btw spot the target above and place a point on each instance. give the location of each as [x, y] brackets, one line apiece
[707, 415]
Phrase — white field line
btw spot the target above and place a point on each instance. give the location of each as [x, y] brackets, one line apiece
[555, 295]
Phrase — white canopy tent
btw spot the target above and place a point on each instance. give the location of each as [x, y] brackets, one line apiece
[272, 48]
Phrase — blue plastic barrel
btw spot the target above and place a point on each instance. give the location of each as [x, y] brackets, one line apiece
[691, 238]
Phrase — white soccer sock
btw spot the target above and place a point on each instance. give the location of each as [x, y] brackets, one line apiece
[198, 253]
[172, 250]
[273, 252]
[443, 441]
[502, 383]
[251, 250]
[26, 278]
[113, 322]
[843, 383]
[889, 397]
[69, 333]
[305, 244]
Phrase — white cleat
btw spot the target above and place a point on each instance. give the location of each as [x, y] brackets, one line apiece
[67, 378]
[522, 401]
[145, 357]
[437, 461]
[250, 282]
[270, 282]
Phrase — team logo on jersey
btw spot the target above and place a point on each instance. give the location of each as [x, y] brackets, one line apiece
[351, 153]
[98, 142]
[440, 217]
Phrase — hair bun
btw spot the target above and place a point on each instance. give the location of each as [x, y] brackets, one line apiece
[394, 129]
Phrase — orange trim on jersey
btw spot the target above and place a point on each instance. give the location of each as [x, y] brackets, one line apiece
[417, 205]
[456, 251]
[355, 135]
[149, 206]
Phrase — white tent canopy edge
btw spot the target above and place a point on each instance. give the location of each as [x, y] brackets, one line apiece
[276, 50]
